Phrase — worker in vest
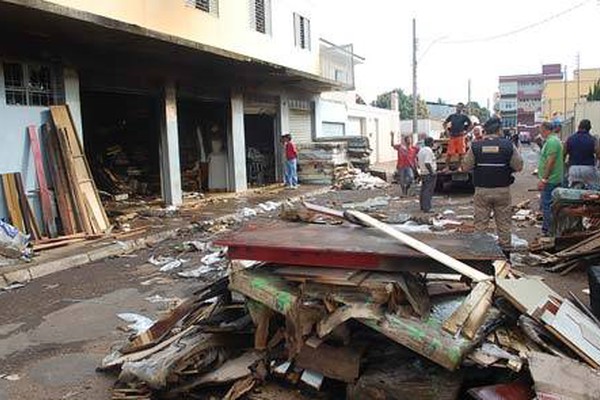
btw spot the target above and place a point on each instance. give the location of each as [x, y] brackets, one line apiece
[493, 161]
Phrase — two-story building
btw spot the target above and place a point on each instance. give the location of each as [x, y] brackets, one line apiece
[158, 88]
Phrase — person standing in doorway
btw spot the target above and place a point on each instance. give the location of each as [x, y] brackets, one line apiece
[550, 172]
[406, 163]
[457, 125]
[582, 153]
[427, 170]
[291, 162]
[493, 161]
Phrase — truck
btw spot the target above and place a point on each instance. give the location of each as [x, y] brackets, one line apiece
[454, 178]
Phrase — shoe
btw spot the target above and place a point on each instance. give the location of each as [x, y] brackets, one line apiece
[294, 187]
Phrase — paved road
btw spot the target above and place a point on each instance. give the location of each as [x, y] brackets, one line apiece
[55, 330]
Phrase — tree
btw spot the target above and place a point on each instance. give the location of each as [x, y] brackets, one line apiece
[480, 112]
[384, 100]
[594, 92]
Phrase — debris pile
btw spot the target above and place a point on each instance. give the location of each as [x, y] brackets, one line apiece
[583, 253]
[346, 177]
[317, 161]
[359, 152]
[575, 210]
[374, 313]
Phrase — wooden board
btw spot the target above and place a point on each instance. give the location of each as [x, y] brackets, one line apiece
[563, 378]
[78, 169]
[47, 214]
[70, 221]
[459, 318]
[341, 363]
[527, 294]
[28, 216]
[12, 202]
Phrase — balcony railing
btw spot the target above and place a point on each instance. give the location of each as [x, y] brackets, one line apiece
[337, 63]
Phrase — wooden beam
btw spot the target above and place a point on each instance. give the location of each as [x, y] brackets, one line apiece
[437, 255]
[460, 316]
[47, 214]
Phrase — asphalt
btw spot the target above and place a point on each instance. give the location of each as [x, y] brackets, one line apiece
[56, 329]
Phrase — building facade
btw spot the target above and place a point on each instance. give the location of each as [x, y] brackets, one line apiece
[574, 91]
[159, 88]
[520, 97]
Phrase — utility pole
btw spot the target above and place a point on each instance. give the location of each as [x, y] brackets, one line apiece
[565, 94]
[469, 97]
[414, 71]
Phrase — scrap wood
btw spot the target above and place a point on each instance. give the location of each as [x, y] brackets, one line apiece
[57, 243]
[478, 314]
[261, 316]
[437, 255]
[265, 288]
[346, 312]
[561, 378]
[47, 212]
[481, 294]
[240, 388]
[341, 363]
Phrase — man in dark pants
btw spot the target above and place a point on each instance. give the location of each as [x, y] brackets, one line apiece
[493, 162]
[427, 170]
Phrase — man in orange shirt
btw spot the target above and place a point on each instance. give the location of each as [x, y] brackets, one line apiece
[457, 125]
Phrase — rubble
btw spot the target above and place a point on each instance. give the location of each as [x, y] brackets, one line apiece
[374, 312]
[347, 177]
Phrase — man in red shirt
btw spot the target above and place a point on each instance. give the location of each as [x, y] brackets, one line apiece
[291, 162]
[407, 162]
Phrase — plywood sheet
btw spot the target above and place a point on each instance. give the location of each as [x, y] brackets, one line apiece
[528, 294]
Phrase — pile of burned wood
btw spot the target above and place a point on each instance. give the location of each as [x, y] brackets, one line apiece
[582, 254]
[363, 325]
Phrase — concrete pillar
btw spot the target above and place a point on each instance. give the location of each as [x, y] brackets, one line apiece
[72, 98]
[317, 117]
[237, 144]
[170, 172]
[283, 126]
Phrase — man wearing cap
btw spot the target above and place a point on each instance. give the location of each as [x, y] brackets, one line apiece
[493, 161]
[457, 124]
[291, 162]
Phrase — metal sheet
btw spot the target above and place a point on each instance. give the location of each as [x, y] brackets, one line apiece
[352, 247]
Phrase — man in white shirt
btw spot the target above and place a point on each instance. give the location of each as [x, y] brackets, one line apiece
[427, 170]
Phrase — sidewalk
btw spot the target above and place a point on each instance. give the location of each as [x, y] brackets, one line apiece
[192, 214]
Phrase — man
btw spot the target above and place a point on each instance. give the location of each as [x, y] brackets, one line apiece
[550, 172]
[477, 133]
[406, 163]
[493, 161]
[291, 162]
[427, 170]
[457, 125]
[582, 153]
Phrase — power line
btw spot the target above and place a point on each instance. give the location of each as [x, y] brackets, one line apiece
[521, 29]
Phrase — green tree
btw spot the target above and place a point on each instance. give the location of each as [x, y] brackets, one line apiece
[594, 92]
[480, 112]
[384, 100]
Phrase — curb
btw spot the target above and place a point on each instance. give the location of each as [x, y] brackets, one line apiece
[116, 248]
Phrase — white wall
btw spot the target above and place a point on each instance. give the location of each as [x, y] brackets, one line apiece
[589, 110]
[230, 31]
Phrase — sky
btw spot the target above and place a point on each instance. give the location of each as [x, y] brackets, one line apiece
[457, 42]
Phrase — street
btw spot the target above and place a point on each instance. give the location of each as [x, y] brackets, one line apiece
[55, 330]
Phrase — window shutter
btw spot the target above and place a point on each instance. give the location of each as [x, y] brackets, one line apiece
[251, 15]
[307, 33]
[260, 16]
[268, 17]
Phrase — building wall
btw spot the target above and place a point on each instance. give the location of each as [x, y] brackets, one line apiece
[553, 97]
[231, 30]
[589, 110]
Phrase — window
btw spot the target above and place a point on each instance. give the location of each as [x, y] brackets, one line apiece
[30, 84]
[301, 31]
[260, 16]
[209, 6]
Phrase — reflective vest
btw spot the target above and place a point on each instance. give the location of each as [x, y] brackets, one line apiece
[492, 163]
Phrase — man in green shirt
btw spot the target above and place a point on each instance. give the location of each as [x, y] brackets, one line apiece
[550, 171]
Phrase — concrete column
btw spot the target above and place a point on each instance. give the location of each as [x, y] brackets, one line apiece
[72, 98]
[283, 126]
[237, 144]
[170, 172]
[317, 117]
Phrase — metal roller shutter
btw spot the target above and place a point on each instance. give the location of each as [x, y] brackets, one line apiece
[301, 126]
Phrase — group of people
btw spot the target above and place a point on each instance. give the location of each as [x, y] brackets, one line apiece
[571, 164]
[416, 160]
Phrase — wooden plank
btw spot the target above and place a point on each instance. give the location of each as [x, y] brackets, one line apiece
[74, 155]
[261, 316]
[47, 214]
[55, 244]
[563, 378]
[459, 317]
[437, 255]
[69, 221]
[12, 203]
[28, 216]
[344, 313]
[527, 294]
[477, 316]
[341, 363]
[265, 288]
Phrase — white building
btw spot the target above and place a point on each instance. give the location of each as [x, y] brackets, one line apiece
[157, 82]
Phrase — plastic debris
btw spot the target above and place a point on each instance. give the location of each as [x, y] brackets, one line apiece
[138, 323]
